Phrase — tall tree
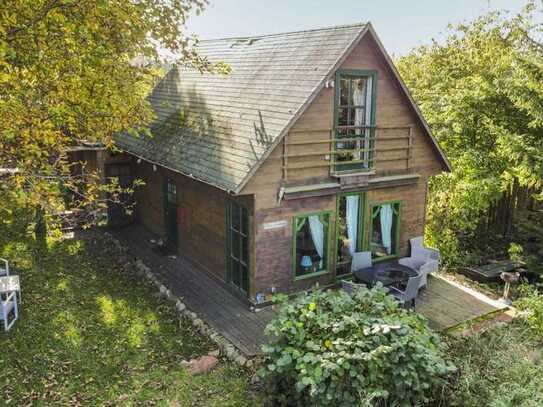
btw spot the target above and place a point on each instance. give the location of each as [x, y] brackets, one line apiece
[67, 76]
[481, 91]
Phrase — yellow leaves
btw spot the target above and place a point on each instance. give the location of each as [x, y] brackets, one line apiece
[328, 344]
[312, 306]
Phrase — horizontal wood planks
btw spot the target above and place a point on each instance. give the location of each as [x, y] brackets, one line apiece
[401, 143]
[201, 293]
[446, 305]
[201, 215]
[397, 123]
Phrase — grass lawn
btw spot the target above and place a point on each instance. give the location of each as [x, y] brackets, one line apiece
[499, 368]
[92, 333]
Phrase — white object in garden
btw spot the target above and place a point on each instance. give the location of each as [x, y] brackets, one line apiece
[4, 267]
[423, 259]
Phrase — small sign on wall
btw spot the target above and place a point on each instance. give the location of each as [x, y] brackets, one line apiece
[280, 224]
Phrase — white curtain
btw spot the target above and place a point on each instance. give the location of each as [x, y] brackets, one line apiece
[386, 213]
[352, 221]
[362, 97]
[359, 99]
[317, 234]
[359, 95]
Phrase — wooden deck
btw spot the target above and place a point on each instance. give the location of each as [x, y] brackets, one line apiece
[446, 304]
[443, 303]
[201, 293]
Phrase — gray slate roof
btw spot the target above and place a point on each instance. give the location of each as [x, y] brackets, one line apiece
[231, 121]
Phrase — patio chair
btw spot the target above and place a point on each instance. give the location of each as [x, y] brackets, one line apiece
[4, 267]
[410, 294]
[8, 305]
[418, 249]
[423, 259]
[361, 260]
[431, 266]
[349, 287]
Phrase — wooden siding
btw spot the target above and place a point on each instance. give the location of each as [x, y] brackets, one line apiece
[274, 247]
[201, 216]
[393, 111]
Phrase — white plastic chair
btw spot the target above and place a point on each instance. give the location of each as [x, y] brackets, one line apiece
[418, 250]
[9, 306]
[361, 260]
[4, 267]
[423, 259]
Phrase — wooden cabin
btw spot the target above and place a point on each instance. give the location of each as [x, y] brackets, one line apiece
[270, 177]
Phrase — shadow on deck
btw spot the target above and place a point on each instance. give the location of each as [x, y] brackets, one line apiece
[443, 303]
[202, 294]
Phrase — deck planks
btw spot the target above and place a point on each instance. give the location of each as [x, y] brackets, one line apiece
[201, 293]
[444, 304]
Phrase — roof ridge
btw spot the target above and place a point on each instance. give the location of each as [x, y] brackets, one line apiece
[328, 28]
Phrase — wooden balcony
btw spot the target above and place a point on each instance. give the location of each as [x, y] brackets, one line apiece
[375, 149]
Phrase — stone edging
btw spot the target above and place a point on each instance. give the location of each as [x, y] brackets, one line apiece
[226, 348]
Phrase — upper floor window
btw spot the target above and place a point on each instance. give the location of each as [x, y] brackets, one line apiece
[354, 120]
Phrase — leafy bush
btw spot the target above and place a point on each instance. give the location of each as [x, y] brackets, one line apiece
[332, 349]
[531, 302]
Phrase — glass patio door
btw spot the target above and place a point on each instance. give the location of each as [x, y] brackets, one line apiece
[354, 120]
[350, 229]
[170, 213]
[238, 246]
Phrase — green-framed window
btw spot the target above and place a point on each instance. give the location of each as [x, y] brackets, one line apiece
[310, 245]
[237, 248]
[354, 119]
[351, 209]
[171, 192]
[384, 240]
[170, 212]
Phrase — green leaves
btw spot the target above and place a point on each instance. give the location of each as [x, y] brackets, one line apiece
[350, 349]
[481, 90]
[68, 74]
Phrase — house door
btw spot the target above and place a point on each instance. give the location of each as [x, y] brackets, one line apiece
[238, 246]
[117, 210]
[349, 229]
[170, 212]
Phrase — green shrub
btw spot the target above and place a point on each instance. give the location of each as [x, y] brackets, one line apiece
[332, 349]
[531, 302]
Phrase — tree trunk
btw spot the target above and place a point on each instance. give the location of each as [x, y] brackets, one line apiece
[40, 228]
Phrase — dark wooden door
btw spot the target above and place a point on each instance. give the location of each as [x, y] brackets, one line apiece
[170, 212]
[117, 212]
[238, 246]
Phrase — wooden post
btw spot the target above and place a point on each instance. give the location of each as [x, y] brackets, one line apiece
[332, 150]
[409, 148]
[285, 158]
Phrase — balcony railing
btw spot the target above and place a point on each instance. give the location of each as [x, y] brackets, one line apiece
[348, 149]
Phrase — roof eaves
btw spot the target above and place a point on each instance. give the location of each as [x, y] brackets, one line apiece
[192, 176]
[307, 103]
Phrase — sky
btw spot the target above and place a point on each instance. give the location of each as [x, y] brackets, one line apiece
[401, 24]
